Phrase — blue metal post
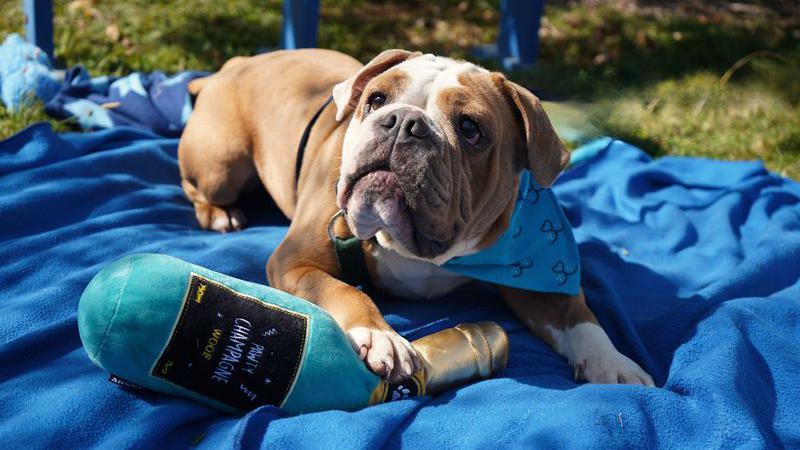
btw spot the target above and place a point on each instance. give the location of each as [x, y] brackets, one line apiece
[39, 24]
[300, 22]
[518, 43]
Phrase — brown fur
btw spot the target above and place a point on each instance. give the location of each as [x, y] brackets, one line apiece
[495, 190]
[539, 310]
[391, 84]
[356, 84]
[546, 155]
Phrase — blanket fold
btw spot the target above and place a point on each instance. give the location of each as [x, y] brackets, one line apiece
[151, 101]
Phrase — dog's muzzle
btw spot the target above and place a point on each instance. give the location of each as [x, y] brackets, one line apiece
[402, 184]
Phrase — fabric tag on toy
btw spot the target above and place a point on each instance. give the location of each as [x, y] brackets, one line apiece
[125, 384]
[232, 347]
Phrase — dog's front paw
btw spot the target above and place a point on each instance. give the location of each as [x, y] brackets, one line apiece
[385, 352]
[594, 357]
[611, 367]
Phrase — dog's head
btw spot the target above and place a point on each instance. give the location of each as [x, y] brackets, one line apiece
[433, 153]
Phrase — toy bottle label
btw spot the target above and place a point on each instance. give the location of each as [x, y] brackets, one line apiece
[232, 347]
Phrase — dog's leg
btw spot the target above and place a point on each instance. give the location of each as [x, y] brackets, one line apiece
[214, 156]
[567, 324]
[306, 267]
[213, 217]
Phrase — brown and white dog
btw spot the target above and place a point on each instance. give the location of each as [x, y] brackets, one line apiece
[424, 154]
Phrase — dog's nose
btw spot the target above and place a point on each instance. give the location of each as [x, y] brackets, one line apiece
[408, 124]
[416, 126]
[389, 121]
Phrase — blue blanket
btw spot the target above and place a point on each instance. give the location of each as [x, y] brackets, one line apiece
[152, 101]
[691, 265]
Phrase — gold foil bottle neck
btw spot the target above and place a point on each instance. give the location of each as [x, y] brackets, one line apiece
[467, 352]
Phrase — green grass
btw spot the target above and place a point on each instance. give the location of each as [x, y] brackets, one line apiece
[118, 37]
[696, 116]
[715, 79]
[13, 121]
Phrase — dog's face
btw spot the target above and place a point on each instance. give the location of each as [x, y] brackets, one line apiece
[433, 153]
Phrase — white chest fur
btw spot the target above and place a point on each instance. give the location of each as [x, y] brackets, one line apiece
[411, 278]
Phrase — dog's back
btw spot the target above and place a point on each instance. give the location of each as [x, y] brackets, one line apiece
[247, 122]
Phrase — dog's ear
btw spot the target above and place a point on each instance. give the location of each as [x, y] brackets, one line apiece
[347, 93]
[545, 154]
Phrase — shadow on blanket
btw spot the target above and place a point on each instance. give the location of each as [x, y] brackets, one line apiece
[691, 265]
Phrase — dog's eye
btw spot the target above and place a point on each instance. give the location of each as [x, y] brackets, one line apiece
[469, 130]
[375, 101]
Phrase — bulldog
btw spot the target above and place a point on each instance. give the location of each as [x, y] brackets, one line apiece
[417, 158]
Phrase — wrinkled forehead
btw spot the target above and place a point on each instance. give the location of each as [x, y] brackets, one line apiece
[427, 75]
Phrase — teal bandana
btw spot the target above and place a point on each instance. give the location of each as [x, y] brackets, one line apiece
[537, 252]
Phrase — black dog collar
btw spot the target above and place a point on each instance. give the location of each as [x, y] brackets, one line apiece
[301, 149]
[349, 255]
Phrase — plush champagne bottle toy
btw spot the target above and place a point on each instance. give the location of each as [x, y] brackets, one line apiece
[177, 328]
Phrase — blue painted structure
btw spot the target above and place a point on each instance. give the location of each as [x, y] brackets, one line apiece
[39, 24]
[518, 43]
[300, 24]
[516, 46]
